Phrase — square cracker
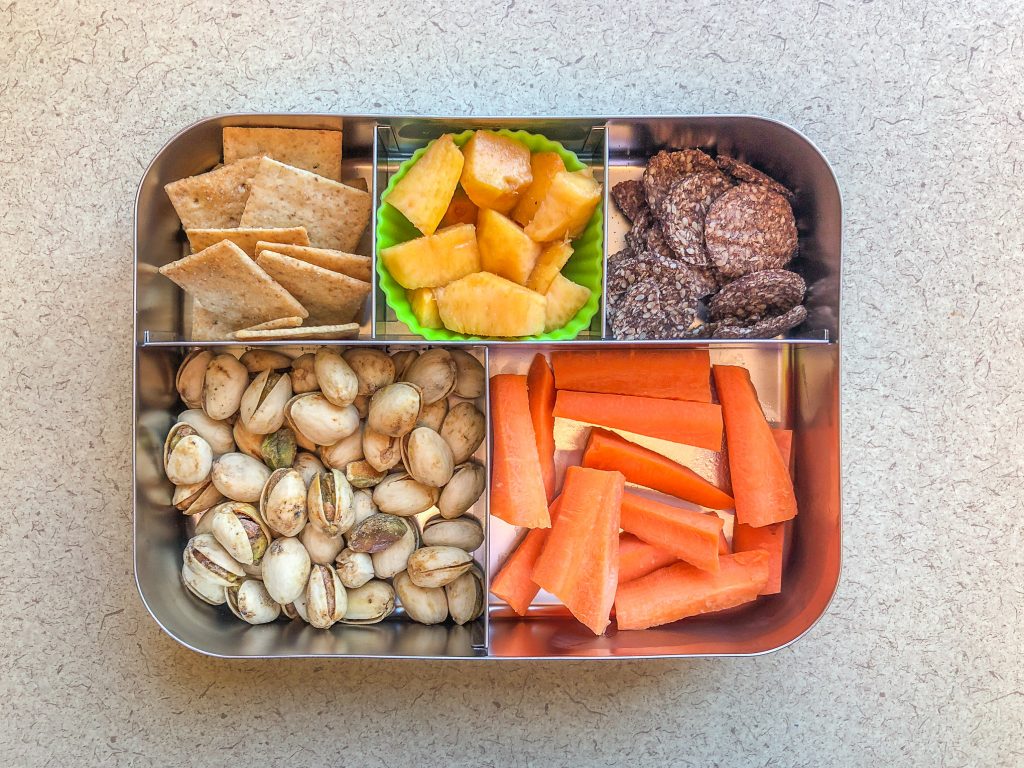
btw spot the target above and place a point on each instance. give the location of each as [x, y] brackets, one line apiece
[206, 326]
[333, 214]
[329, 297]
[273, 325]
[246, 238]
[232, 286]
[345, 331]
[312, 150]
[349, 264]
[214, 199]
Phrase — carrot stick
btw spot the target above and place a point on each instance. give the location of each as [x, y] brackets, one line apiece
[517, 483]
[771, 538]
[541, 385]
[761, 484]
[680, 590]
[580, 561]
[690, 536]
[514, 582]
[723, 543]
[638, 558]
[698, 424]
[607, 450]
[673, 374]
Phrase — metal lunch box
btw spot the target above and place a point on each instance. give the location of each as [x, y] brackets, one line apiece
[798, 380]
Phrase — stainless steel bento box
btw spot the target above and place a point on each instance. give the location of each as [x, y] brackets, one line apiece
[798, 380]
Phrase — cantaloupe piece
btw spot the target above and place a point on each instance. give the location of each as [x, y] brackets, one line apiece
[496, 172]
[505, 249]
[549, 263]
[483, 304]
[461, 210]
[564, 299]
[434, 260]
[424, 306]
[566, 208]
[423, 194]
[544, 166]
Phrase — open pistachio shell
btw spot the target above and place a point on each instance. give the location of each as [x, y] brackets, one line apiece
[394, 409]
[370, 603]
[469, 374]
[382, 452]
[437, 566]
[307, 465]
[264, 401]
[225, 383]
[354, 568]
[239, 477]
[329, 502]
[286, 567]
[205, 556]
[434, 373]
[342, 453]
[216, 433]
[427, 606]
[206, 589]
[258, 360]
[303, 375]
[283, 502]
[191, 375]
[326, 599]
[196, 498]
[239, 528]
[400, 494]
[251, 602]
[463, 490]
[336, 378]
[188, 458]
[322, 547]
[464, 429]
[394, 558]
[373, 368]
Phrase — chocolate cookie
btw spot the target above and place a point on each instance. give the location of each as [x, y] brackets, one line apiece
[665, 168]
[767, 328]
[743, 172]
[758, 295]
[629, 196]
[683, 209]
[650, 310]
[748, 229]
[646, 237]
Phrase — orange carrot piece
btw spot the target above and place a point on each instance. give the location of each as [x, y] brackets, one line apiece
[678, 591]
[698, 424]
[517, 483]
[580, 561]
[541, 385]
[761, 484]
[514, 582]
[638, 558]
[690, 536]
[773, 538]
[673, 374]
[607, 450]
[723, 543]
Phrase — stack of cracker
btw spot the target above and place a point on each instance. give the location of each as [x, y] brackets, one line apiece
[272, 234]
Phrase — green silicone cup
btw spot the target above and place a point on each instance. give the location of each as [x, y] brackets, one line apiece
[584, 266]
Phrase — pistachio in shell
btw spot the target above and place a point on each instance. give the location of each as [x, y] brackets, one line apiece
[395, 558]
[251, 602]
[329, 502]
[206, 589]
[239, 528]
[376, 533]
[469, 374]
[286, 567]
[362, 474]
[307, 465]
[206, 557]
[259, 360]
[464, 532]
[225, 382]
[354, 568]
[283, 502]
[425, 605]
[400, 494]
[303, 374]
[362, 505]
[362, 405]
[247, 442]
[465, 596]
[402, 358]
[239, 477]
[188, 458]
[464, 429]
[463, 490]
[320, 420]
[326, 598]
[432, 416]
[278, 448]
[427, 457]
[370, 603]
[216, 433]
[436, 566]
[373, 368]
[342, 453]
[337, 380]
[322, 547]
[196, 498]
[434, 373]
[191, 375]
[394, 409]
[382, 452]
[263, 403]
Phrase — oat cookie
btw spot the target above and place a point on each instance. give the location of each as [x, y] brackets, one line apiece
[743, 172]
[756, 296]
[750, 229]
[649, 310]
[763, 329]
[683, 209]
[629, 196]
[647, 239]
[665, 168]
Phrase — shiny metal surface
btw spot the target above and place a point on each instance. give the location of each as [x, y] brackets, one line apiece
[798, 379]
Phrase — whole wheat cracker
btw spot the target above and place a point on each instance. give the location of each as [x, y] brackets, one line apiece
[215, 198]
[317, 151]
[329, 297]
[246, 238]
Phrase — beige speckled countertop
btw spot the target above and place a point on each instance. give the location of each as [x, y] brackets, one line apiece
[919, 107]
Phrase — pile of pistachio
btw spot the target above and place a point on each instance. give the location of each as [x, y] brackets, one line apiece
[306, 477]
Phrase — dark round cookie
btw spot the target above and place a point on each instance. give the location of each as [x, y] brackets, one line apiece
[758, 295]
[627, 267]
[629, 196]
[665, 168]
[749, 229]
[748, 173]
[767, 328]
[646, 238]
[650, 310]
[683, 209]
